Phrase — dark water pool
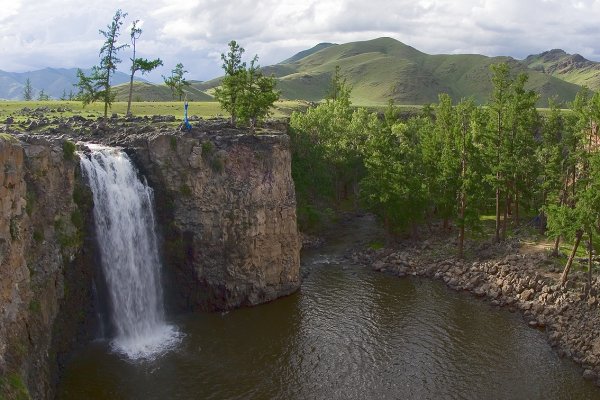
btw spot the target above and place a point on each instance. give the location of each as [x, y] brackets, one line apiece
[348, 334]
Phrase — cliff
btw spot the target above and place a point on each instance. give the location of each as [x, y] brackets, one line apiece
[227, 211]
[45, 275]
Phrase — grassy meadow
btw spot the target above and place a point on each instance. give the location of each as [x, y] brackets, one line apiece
[203, 109]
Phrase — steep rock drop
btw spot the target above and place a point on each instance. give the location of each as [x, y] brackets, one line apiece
[225, 213]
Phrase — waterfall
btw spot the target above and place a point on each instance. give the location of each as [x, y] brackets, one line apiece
[124, 220]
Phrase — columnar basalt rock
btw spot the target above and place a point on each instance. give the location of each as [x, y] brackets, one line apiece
[228, 212]
[43, 271]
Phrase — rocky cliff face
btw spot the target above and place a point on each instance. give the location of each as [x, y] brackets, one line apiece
[228, 215]
[44, 275]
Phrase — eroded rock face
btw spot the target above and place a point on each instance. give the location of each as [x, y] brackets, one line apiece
[43, 271]
[228, 215]
[226, 210]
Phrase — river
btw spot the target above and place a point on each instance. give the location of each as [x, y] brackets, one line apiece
[349, 333]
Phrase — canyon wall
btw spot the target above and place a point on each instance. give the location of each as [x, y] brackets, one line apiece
[227, 211]
[45, 274]
[226, 214]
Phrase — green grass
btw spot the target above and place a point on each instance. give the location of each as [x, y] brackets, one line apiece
[204, 109]
[376, 245]
[12, 387]
[7, 137]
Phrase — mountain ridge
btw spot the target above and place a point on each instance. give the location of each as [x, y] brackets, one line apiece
[573, 68]
[52, 80]
[384, 68]
[378, 70]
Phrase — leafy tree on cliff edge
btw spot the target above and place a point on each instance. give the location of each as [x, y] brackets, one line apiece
[257, 95]
[97, 85]
[245, 92]
[231, 85]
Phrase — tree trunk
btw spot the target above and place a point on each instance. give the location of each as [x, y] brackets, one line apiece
[517, 222]
[414, 231]
[562, 201]
[590, 263]
[461, 233]
[133, 37]
[556, 246]
[543, 217]
[356, 192]
[463, 195]
[130, 94]
[565, 274]
[498, 144]
[504, 221]
[573, 184]
[497, 238]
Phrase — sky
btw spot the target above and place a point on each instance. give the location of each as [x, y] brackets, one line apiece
[36, 34]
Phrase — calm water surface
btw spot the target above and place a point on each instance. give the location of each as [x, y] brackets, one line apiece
[349, 333]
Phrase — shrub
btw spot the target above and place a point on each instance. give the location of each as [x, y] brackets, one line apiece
[208, 148]
[69, 150]
[185, 190]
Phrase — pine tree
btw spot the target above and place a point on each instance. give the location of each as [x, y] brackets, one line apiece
[28, 90]
[97, 85]
[498, 107]
[138, 64]
[231, 86]
[513, 119]
[176, 82]
[42, 96]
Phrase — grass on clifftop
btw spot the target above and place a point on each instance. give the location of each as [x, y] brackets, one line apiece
[204, 109]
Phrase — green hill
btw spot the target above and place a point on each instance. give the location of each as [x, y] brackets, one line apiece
[384, 68]
[145, 91]
[306, 53]
[571, 68]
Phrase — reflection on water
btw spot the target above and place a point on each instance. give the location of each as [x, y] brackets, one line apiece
[348, 334]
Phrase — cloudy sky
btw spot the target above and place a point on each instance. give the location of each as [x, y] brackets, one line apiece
[64, 33]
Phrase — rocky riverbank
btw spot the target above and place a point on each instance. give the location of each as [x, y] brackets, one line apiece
[507, 276]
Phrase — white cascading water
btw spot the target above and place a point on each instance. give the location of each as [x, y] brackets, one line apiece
[124, 219]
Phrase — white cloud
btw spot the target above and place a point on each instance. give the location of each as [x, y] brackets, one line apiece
[9, 8]
[63, 33]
